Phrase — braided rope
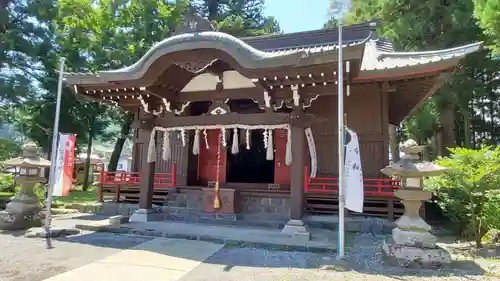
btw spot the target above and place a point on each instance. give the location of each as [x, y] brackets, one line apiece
[216, 202]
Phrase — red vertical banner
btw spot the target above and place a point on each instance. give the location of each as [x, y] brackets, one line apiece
[65, 161]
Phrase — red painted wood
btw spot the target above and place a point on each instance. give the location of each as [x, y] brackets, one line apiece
[281, 170]
[331, 185]
[207, 159]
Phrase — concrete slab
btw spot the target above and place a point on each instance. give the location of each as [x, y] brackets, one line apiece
[159, 259]
[218, 234]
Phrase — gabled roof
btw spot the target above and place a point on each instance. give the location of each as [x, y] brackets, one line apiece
[378, 62]
[243, 54]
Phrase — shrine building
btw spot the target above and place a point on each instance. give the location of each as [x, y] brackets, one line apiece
[259, 115]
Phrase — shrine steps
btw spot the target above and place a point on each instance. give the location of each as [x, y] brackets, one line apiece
[327, 204]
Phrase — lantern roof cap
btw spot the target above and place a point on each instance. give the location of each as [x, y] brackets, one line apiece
[28, 159]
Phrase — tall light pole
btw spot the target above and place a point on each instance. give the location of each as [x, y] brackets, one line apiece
[338, 9]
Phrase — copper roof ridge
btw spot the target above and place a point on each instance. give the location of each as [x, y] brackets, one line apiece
[369, 25]
[465, 49]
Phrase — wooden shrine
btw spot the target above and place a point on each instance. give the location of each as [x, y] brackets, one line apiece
[215, 110]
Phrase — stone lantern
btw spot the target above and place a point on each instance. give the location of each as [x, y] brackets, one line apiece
[23, 211]
[411, 242]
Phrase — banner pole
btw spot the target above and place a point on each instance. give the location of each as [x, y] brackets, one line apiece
[55, 133]
[340, 103]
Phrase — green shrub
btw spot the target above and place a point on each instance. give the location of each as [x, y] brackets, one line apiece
[7, 183]
[490, 216]
[468, 191]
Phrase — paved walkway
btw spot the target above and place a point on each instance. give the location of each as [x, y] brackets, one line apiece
[159, 259]
[322, 240]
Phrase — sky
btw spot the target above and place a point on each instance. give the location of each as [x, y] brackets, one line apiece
[298, 15]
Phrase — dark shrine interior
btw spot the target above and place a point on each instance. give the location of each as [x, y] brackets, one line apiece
[249, 165]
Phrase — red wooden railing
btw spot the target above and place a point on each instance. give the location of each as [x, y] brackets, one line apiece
[134, 178]
[331, 185]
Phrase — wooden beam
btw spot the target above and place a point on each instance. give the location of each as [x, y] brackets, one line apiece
[244, 93]
[228, 119]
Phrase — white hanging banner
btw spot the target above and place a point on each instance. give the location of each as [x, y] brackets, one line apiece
[312, 152]
[353, 175]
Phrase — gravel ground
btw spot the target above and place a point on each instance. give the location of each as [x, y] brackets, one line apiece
[364, 262]
[27, 259]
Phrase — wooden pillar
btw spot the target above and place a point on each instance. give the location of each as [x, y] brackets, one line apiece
[147, 179]
[297, 174]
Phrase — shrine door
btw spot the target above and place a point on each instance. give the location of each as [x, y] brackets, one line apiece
[281, 170]
[207, 159]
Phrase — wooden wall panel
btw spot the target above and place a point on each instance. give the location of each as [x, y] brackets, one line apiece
[178, 156]
[367, 113]
[363, 108]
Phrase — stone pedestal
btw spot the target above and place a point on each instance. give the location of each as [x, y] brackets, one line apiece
[23, 211]
[228, 198]
[297, 229]
[412, 245]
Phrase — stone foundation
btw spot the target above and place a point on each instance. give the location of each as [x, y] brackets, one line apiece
[266, 208]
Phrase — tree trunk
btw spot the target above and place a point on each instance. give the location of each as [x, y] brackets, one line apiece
[440, 148]
[86, 170]
[117, 150]
[212, 7]
[447, 116]
[3, 22]
[393, 142]
[467, 130]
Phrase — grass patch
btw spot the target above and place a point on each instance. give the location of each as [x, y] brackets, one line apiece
[77, 195]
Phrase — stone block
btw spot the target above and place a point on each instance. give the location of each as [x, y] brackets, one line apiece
[265, 201]
[118, 219]
[414, 257]
[270, 209]
[276, 201]
[414, 238]
[231, 217]
[283, 210]
[353, 226]
[110, 209]
[366, 226]
[377, 228]
[297, 229]
[252, 209]
[388, 227]
[41, 232]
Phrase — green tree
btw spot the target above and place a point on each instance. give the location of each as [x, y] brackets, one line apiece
[468, 190]
[9, 149]
[429, 25]
[109, 35]
[488, 14]
[237, 17]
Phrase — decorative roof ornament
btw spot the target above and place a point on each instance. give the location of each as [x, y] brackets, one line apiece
[191, 23]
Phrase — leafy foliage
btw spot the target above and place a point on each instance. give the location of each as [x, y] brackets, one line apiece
[6, 183]
[237, 17]
[464, 111]
[468, 191]
[9, 149]
[488, 14]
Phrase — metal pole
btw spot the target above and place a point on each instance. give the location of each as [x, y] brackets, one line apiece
[55, 132]
[340, 250]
